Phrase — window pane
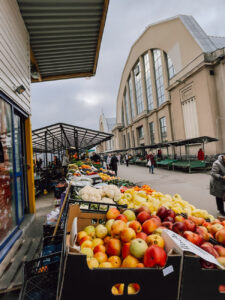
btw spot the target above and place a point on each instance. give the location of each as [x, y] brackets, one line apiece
[138, 88]
[171, 70]
[148, 82]
[163, 129]
[159, 76]
[152, 132]
[127, 107]
[131, 98]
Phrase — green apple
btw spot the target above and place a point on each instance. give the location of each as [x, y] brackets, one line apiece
[108, 225]
[101, 231]
[87, 251]
[138, 248]
[129, 214]
[90, 230]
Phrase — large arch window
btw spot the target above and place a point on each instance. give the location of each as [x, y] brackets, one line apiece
[131, 98]
[138, 88]
[126, 107]
[171, 70]
[159, 76]
[148, 82]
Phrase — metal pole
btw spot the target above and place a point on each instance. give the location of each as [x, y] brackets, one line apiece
[46, 150]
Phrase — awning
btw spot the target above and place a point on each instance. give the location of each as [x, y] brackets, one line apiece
[65, 36]
[197, 140]
[64, 136]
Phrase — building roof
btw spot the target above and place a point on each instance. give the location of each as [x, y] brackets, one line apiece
[111, 122]
[66, 136]
[218, 41]
[65, 36]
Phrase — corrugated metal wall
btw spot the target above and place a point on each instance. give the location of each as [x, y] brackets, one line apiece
[14, 54]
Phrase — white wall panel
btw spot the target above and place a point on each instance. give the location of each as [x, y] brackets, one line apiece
[190, 118]
[14, 54]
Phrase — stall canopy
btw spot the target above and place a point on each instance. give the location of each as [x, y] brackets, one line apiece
[65, 36]
[61, 136]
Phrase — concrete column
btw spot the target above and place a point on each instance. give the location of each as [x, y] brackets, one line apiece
[134, 94]
[146, 132]
[143, 84]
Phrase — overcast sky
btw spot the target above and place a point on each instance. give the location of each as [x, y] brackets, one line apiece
[80, 101]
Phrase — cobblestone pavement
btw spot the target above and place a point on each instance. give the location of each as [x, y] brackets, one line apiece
[192, 187]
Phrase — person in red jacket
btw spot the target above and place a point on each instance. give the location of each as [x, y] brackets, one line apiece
[201, 155]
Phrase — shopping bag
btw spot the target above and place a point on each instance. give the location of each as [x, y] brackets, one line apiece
[149, 163]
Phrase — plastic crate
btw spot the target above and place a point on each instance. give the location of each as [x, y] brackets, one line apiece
[41, 278]
[52, 244]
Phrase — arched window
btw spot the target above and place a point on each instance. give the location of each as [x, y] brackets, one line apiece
[148, 82]
[138, 88]
[171, 70]
[159, 76]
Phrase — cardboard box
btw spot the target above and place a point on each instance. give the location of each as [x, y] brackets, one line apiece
[79, 282]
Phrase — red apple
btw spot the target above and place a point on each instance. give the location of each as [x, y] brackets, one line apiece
[130, 262]
[215, 227]
[220, 250]
[150, 225]
[127, 235]
[122, 218]
[125, 250]
[156, 217]
[168, 225]
[112, 213]
[201, 230]
[162, 212]
[170, 213]
[85, 238]
[223, 223]
[99, 248]
[142, 208]
[196, 220]
[207, 244]
[136, 226]
[220, 236]
[210, 250]
[193, 237]
[207, 265]
[101, 257]
[117, 227]
[190, 225]
[168, 219]
[113, 247]
[141, 235]
[154, 256]
[179, 227]
[143, 216]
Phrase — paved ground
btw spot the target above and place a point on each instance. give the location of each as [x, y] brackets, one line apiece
[192, 187]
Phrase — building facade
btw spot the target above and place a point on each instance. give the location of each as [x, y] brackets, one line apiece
[172, 87]
[106, 125]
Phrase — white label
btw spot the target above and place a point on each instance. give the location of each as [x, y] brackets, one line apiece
[181, 244]
[168, 270]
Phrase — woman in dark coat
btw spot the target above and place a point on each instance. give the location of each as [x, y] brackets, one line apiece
[217, 183]
[113, 163]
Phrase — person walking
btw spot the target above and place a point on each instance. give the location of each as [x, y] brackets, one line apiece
[151, 162]
[108, 162]
[113, 164]
[217, 183]
[127, 159]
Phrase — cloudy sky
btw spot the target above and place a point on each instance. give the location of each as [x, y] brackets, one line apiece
[80, 101]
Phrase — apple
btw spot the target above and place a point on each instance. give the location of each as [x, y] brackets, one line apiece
[115, 261]
[143, 216]
[113, 247]
[141, 235]
[190, 225]
[136, 226]
[207, 265]
[101, 257]
[101, 231]
[96, 242]
[138, 248]
[87, 251]
[117, 227]
[108, 225]
[106, 264]
[142, 208]
[207, 244]
[220, 250]
[131, 290]
[162, 211]
[112, 213]
[155, 239]
[198, 221]
[193, 237]
[168, 219]
[85, 238]
[201, 230]
[122, 218]
[156, 217]
[80, 235]
[215, 227]
[223, 223]
[90, 230]
[154, 256]
[92, 262]
[129, 214]
[179, 227]
[136, 286]
[222, 288]
[170, 213]
[216, 221]
[179, 218]
[86, 244]
[150, 225]
[99, 248]
[220, 236]
[114, 291]
[130, 262]
[125, 250]
[140, 265]
[127, 235]
[168, 225]
[159, 230]
[221, 260]
[210, 250]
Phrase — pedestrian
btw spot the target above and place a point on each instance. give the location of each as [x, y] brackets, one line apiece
[201, 155]
[217, 183]
[151, 162]
[113, 163]
[127, 159]
[108, 162]
[121, 159]
[95, 157]
[159, 154]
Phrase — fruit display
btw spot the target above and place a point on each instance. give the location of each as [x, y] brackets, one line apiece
[107, 194]
[106, 177]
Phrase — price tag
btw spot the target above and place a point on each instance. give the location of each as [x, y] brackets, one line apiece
[175, 241]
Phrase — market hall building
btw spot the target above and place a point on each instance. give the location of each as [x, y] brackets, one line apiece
[40, 41]
[172, 88]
